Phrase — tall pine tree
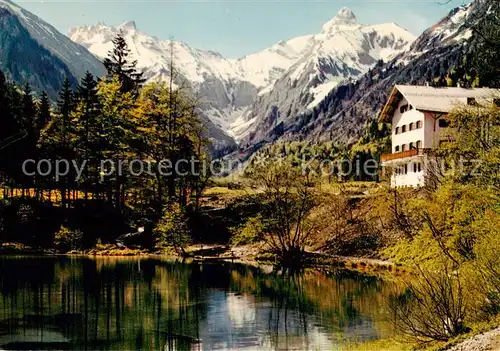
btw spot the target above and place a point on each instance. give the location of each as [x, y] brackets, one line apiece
[88, 129]
[43, 113]
[62, 142]
[65, 106]
[119, 64]
[29, 112]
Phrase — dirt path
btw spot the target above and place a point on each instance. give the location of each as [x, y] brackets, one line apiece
[489, 341]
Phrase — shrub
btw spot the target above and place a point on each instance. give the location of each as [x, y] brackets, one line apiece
[289, 201]
[249, 233]
[432, 308]
[67, 239]
[172, 228]
[487, 267]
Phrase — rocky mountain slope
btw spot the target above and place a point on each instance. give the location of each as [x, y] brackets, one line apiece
[343, 113]
[341, 52]
[32, 51]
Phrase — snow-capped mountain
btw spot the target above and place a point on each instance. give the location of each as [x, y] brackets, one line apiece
[342, 51]
[33, 51]
[342, 115]
[218, 82]
[228, 88]
[224, 86]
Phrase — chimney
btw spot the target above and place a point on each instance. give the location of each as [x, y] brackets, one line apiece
[458, 85]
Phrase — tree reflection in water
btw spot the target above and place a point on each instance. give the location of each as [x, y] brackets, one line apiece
[143, 303]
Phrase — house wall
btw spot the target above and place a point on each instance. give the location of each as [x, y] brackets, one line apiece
[404, 119]
[432, 129]
[428, 135]
[411, 178]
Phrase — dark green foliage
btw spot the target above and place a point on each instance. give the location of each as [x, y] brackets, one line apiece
[65, 106]
[119, 64]
[28, 112]
[43, 113]
[484, 53]
[89, 139]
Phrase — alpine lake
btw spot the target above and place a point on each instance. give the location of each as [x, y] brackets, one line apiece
[148, 303]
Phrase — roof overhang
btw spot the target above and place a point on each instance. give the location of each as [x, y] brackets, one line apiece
[388, 109]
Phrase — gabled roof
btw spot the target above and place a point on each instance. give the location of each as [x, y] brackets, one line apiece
[435, 99]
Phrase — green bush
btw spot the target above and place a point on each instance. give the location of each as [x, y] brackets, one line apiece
[67, 239]
[487, 268]
[249, 233]
[172, 228]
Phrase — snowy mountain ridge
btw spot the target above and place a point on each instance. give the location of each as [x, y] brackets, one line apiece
[229, 87]
[260, 69]
[342, 115]
[343, 51]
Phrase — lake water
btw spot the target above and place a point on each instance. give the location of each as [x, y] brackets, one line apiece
[153, 304]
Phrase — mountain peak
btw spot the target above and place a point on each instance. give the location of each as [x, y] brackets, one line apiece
[345, 17]
[128, 26]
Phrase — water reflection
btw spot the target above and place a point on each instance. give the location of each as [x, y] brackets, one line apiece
[129, 304]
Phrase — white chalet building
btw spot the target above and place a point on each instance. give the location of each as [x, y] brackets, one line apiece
[418, 117]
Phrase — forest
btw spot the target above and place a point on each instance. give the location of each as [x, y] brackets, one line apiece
[101, 126]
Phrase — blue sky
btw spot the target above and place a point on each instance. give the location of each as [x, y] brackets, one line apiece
[235, 27]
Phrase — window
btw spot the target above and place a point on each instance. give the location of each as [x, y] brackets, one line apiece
[403, 129]
[471, 101]
[406, 169]
[412, 146]
[396, 148]
[443, 123]
[403, 109]
[419, 124]
[397, 130]
[410, 127]
[419, 144]
[415, 168]
[403, 147]
[419, 167]
[411, 107]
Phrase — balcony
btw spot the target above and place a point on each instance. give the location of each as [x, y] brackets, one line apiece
[403, 154]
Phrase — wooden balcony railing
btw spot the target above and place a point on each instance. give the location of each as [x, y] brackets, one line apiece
[402, 154]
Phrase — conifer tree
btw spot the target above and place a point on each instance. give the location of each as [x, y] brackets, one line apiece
[119, 64]
[65, 105]
[86, 119]
[62, 141]
[43, 112]
[88, 112]
[117, 109]
[29, 111]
